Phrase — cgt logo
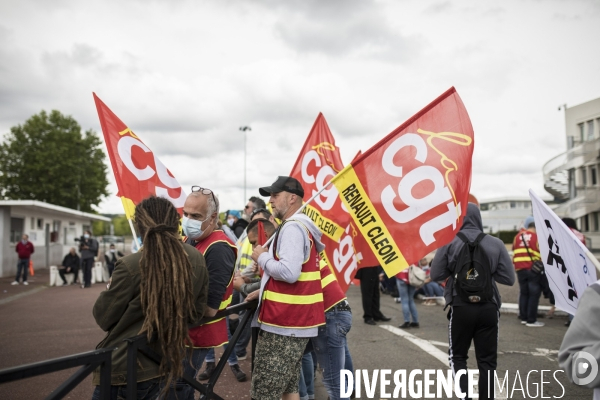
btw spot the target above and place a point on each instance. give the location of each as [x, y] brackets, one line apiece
[584, 368]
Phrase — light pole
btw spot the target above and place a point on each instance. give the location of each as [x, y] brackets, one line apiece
[245, 129]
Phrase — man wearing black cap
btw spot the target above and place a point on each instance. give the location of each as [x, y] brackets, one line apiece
[291, 299]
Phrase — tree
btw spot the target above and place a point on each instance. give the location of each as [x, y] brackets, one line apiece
[49, 159]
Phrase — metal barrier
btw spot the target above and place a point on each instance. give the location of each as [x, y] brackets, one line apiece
[102, 358]
[140, 344]
[89, 362]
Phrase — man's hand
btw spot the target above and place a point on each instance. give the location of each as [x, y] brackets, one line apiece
[68, 269]
[253, 295]
[258, 250]
[238, 281]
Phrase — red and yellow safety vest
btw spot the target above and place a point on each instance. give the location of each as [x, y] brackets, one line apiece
[298, 304]
[332, 292]
[214, 334]
[522, 259]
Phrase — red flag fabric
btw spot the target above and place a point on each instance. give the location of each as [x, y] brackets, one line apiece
[262, 235]
[408, 194]
[319, 161]
[138, 172]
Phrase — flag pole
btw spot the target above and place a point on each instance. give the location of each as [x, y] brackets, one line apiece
[311, 199]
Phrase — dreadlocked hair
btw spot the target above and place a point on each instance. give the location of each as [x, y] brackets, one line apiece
[166, 283]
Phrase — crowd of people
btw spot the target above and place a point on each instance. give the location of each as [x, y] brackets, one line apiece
[270, 254]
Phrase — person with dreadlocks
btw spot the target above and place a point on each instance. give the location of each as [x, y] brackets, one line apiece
[159, 290]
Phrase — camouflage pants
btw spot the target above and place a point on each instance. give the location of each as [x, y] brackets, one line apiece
[276, 365]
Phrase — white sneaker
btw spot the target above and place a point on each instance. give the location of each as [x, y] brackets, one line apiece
[397, 299]
[15, 283]
[536, 324]
[25, 283]
[523, 322]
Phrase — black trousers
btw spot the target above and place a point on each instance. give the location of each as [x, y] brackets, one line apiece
[87, 264]
[74, 270]
[369, 289]
[477, 323]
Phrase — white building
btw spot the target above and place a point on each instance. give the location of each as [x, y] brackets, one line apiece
[572, 177]
[505, 213]
[52, 230]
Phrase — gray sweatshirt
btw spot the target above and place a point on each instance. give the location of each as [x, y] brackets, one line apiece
[293, 247]
[444, 262]
[583, 335]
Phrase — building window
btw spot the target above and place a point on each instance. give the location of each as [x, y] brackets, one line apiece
[40, 223]
[581, 131]
[595, 221]
[590, 130]
[513, 204]
[17, 226]
[484, 207]
[585, 223]
[583, 176]
[594, 177]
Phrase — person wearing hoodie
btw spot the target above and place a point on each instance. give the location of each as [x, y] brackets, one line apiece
[477, 322]
[290, 299]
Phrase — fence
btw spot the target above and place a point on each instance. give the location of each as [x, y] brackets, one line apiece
[102, 358]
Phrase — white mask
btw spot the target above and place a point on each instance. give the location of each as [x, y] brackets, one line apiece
[192, 228]
[86, 236]
[230, 221]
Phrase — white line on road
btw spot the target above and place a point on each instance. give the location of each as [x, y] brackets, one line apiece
[428, 347]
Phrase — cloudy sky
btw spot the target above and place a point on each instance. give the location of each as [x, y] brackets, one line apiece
[185, 75]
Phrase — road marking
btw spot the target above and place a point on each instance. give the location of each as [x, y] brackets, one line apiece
[22, 294]
[428, 346]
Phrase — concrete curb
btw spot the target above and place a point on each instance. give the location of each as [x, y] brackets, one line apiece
[513, 308]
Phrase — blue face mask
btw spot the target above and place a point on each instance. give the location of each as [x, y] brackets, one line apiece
[192, 228]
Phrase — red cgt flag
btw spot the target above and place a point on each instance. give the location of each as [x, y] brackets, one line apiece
[319, 161]
[138, 172]
[408, 194]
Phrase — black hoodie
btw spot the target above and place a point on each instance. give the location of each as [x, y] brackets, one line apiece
[444, 262]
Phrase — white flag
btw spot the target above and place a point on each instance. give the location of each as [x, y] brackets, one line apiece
[567, 261]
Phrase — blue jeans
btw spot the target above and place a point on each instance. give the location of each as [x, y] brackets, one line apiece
[145, 390]
[433, 289]
[306, 387]
[331, 346]
[181, 390]
[232, 360]
[407, 294]
[22, 265]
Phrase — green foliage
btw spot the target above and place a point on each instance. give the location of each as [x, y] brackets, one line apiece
[49, 159]
[121, 226]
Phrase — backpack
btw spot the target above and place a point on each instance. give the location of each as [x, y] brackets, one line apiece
[416, 276]
[473, 274]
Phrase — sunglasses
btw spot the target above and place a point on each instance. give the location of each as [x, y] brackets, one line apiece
[204, 191]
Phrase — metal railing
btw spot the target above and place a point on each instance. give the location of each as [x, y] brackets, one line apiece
[89, 362]
[102, 358]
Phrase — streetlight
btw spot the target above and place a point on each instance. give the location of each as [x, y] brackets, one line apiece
[244, 129]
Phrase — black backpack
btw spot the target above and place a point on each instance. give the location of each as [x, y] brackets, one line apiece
[473, 274]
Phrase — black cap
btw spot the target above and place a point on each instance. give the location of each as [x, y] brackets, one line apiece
[283, 184]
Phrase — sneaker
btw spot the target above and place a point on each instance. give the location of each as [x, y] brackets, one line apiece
[536, 324]
[405, 325]
[414, 324]
[210, 368]
[239, 374]
[15, 283]
[397, 300]
[523, 322]
[25, 283]
[242, 357]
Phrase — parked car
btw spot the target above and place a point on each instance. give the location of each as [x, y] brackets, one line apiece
[112, 239]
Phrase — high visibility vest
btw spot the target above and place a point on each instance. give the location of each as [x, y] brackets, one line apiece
[521, 259]
[298, 304]
[332, 292]
[214, 333]
[245, 255]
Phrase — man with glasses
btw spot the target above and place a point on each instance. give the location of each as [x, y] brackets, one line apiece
[200, 214]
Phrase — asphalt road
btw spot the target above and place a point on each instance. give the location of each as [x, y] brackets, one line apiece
[39, 322]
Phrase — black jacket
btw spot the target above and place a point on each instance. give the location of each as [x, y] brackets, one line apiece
[71, 261]
[444, 262]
